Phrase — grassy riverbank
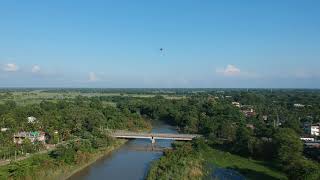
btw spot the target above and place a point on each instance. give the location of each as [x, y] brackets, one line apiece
[44, 166]
[96, 156]
[187, 162]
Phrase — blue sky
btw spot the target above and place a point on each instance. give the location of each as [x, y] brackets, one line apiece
[249, 43]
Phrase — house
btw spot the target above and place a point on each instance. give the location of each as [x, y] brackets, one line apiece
[298, 105]
[4, 129]
[265, 117]
[248, 112]
[32, 136]
[312, 129]
[307, 139]
[31, 119]
[251, 126]
[315, 129]
[237, 104]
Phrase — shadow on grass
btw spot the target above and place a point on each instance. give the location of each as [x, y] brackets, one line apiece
[273, 165]
[252, 174]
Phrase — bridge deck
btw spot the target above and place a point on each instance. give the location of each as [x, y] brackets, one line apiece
[135, 135]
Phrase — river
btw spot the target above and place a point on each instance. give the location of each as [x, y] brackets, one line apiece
[131, 161]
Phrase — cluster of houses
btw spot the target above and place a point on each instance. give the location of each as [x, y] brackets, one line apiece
[247, 110]
[312, 130]
[33, 136]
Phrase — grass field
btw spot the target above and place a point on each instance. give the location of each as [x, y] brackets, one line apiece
[251, 169]
[36, 96]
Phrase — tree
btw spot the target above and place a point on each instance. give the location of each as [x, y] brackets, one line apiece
[293, 123]
[289, 146]
[11, 104]
[244, 141]
[303, 169]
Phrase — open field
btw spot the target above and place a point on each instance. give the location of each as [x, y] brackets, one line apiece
[251, 169]
[36, 96]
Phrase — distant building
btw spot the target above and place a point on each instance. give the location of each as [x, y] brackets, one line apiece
[315, 129]
[265, 117]
[307, 139]
[312, 129]
[4, 129]
[237, 104]
[298, 105]
[249, 112]
[32, 136]
[251, 126]
[31, 119]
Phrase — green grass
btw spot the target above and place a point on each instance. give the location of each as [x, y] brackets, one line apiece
[251, 169]
[185, 162]
[181, 163]
[42, 166]
[36, 96]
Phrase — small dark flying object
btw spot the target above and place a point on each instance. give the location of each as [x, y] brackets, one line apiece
[161, 49]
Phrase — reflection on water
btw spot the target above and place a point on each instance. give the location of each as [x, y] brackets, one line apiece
[217, 173]
[131, 161]
[226, 174]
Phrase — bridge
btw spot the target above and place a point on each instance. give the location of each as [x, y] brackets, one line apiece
[153, 136]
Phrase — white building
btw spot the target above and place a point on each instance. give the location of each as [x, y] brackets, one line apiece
[315, 129]
[237, 104]
[31, 119]
[4, 129]
[312, 129]
[307, 139]
[298, 105]
[265, 117]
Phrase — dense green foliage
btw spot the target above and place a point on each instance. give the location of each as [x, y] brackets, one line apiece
[78, 126]
[227, 128]
[181, 163]
[270, 134]
[199, 161]
[58, 163]
[79, 118]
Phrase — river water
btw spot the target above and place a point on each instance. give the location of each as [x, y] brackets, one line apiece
[130, 162]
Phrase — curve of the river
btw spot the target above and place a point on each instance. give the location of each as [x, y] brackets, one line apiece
[131, 161]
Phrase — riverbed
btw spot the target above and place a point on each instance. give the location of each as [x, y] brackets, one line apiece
[131, 161]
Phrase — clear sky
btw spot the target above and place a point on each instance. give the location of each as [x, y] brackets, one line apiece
[207, 43]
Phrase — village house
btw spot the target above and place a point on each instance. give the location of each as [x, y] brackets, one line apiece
[248, 110]
[265, 117]
[298, 105]
[307, 139]
[4, 129]
[312, 129]
[19, 137]
[31, 119]
[237, 104]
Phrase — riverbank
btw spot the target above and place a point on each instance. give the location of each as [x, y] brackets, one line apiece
[95, 158]
[131, 161]
[43, 166]
[188, 162]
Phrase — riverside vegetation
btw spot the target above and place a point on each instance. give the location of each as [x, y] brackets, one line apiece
[254, 146]
[79, 124]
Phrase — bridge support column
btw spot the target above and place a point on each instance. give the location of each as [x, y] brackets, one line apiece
[153, 140]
